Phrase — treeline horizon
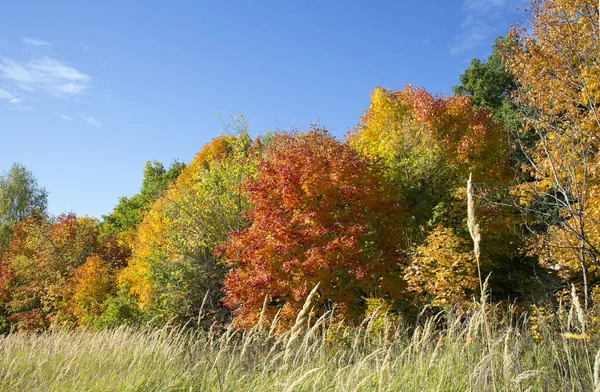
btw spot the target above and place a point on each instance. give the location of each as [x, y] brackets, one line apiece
[243, 233]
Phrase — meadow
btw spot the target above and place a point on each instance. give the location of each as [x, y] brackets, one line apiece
[488, 350]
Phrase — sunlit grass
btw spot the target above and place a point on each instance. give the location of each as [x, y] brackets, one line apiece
[443, 353]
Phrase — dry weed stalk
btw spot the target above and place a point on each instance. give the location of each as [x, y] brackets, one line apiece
[474, 228]
[302, 318]
[476, 236]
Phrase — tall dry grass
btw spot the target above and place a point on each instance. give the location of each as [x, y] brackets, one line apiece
[441, 353]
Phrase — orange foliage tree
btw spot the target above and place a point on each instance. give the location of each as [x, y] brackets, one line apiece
[93, 281]
[321, 213]
[429, 145]
[6, 282]
[43, 257]
[57, 271]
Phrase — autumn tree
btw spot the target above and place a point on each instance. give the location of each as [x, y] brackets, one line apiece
[42, 259]
[173, 265]
[443, 270]
[93, 282]
[556, 68]
[429, 145]
[20, 195]
[6, 282]
[320, 213]
[515, 270]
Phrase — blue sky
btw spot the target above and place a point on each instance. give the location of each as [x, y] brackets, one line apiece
[89, 91]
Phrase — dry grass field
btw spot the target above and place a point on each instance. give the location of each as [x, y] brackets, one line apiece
[486, 351]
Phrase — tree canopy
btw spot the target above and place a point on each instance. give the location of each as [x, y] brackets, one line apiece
[20, 195]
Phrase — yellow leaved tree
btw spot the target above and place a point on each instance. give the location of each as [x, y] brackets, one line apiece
[556, 66]
[173, 266]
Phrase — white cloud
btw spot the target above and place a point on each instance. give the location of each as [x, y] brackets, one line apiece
[67, 118]
[482, 21]
[5, 95]
[16, 103]
[92, 121]
[34, 42]
[45, 75]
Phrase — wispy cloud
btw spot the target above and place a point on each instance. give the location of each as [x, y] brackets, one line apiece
[474, 32]
[46, 75]
[5, 95]
[483, 5]
[482, 20]
[34, 42]
[92, 121]
[15, 102]
[67, 118]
